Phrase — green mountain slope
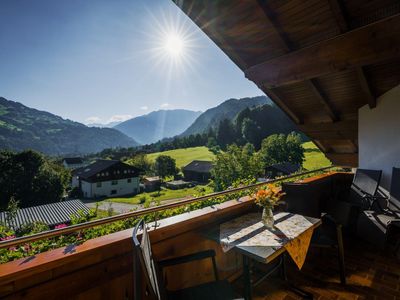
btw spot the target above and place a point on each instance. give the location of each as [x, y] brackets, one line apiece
[226, 110]
[158, 125]
[22, 127]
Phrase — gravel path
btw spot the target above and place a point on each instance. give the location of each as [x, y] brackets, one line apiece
[117, 207]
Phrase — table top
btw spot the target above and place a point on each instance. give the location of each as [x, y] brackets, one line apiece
[249, 236]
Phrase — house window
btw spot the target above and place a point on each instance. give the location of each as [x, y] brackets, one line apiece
[114, 182]
[129, 180]
[113, 192]
[98, 184]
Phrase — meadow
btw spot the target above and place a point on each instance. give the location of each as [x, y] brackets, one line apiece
[314, 158]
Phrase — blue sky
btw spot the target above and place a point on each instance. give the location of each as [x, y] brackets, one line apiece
[102, 60]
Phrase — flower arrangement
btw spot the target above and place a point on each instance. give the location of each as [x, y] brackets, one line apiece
[268, 197]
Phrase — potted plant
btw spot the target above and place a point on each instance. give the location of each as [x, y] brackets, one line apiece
[267, 198]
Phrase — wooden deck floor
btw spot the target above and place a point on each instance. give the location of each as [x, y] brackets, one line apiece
[371, 274]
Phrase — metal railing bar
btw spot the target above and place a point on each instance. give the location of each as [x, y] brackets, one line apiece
[145, 211]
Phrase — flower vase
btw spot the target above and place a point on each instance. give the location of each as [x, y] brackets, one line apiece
[267, 217]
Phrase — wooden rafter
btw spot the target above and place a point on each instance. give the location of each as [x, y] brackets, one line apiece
[343, 24]
[275, 96]
[287, 43]
[371, 100]
[323, 99]
[370, 44]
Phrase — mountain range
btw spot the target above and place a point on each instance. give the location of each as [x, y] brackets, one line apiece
[158, 125]
[22, 128]
[226, 110]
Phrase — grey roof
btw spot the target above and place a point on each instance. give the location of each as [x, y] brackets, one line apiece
[287, 167]
[200, 166]
[95, 168]
[51, 214]
[73, 160]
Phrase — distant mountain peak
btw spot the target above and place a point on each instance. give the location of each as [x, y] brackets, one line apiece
[226, 110]
[157, 125]
[22, 127]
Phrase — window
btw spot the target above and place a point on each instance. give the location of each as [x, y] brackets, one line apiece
[129, 180]
[98, 184]
[113, 192]
[114, 182]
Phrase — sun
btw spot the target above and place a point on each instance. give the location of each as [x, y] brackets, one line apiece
[174, 45]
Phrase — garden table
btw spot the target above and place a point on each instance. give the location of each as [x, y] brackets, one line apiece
[246, 234]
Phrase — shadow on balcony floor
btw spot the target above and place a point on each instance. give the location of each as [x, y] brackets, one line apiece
[370, 274]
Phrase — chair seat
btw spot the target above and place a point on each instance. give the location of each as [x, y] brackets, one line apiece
[213, 290]
[372, 227]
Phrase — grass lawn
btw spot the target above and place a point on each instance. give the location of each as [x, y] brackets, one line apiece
[185, 156]
[314, 158]
[166, 194]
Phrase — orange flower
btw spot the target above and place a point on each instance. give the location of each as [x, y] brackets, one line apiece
[268, 197]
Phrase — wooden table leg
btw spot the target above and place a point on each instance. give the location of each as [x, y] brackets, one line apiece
[247, 278]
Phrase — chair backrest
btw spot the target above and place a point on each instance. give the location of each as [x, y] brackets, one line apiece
[145, 259]
[367, 180]
[301, 199]
[394, 201]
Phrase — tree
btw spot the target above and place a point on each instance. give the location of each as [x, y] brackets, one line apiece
[279, 148]
[251, 131]
[226, 134]
[165, 166]
[31, 179]
[142, 162]
[236, 164]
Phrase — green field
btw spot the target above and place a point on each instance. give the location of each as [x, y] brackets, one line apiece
[314, 158]
[165, 194]
[185, 156]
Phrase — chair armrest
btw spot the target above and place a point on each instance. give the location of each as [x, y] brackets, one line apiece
[372, 199]
[329, 220]
[187, 258]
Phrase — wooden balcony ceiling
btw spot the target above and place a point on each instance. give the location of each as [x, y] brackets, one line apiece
[319, 61]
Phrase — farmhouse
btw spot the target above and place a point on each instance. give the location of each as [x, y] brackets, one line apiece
[73, 162]
[106, 178]
[278, 170]
[198, 170]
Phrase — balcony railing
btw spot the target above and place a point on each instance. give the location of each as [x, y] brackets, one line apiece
[152, 210]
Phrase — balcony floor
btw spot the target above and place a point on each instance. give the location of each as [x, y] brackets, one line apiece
[370, 274]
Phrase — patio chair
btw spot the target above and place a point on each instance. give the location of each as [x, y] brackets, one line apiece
[377, 223]
[346, 208]
[218, 289]
[301, 200]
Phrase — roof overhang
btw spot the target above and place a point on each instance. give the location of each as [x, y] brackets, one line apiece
[319, 61]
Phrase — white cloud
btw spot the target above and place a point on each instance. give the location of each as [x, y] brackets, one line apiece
[92, 120]
[119, 118]
[164, 105]
[144, 107]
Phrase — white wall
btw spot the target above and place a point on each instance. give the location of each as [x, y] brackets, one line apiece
[379, 135]
[123, 187]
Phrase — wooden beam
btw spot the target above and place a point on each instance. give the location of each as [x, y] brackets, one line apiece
[338, 12]
[370, 44]
[341, 130]
[275, 96]
[287, 43]
[343, 159]
[341, 20]
[275, 25]
[370, 98]
[322, 99]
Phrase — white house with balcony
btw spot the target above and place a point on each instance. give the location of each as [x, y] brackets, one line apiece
[106, 178]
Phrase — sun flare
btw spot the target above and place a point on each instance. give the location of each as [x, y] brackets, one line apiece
[174, 45]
